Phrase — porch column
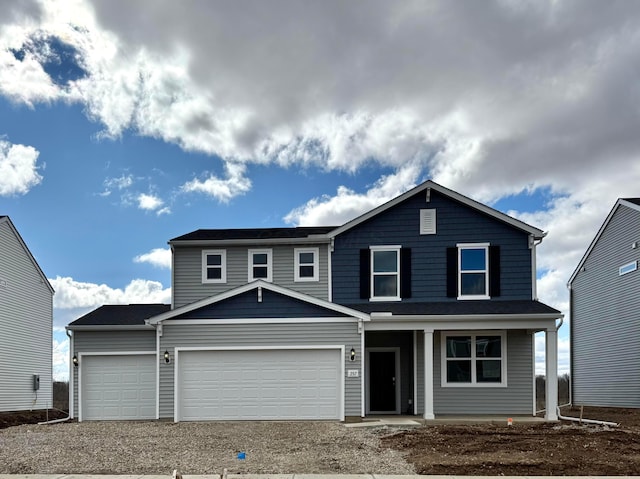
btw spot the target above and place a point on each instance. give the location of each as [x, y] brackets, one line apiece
[428, 375]
[551, 360]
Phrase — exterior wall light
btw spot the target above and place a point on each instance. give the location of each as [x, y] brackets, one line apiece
[167, 358]
[75, 360]
[353, 354]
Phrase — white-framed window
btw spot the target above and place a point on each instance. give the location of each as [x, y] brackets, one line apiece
[473, 271]
[474, 359]
[306, 264]
[214, 266]
[260, 265]
[385, 273]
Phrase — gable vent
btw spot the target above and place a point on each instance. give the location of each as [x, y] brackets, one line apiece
[428, 222]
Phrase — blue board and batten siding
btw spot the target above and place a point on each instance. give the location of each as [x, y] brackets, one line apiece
[605, 318]
[26, 316]
[456, 223]
[255, 336]
[187, 271]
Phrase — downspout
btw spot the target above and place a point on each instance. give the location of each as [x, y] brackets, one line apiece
[55, 421]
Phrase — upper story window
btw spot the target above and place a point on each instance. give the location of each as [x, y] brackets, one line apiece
[385, 273]
[306, 264]
[260, 265]
[473, 270]
[214, 266]
[474, 359]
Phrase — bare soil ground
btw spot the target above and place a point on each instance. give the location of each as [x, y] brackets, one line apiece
[563, 448]
[8, 419]
[527, 449]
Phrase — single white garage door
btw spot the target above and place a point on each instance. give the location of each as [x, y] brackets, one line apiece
[118, 387]
[259, 384]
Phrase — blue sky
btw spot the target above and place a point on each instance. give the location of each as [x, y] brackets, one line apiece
[126, 123]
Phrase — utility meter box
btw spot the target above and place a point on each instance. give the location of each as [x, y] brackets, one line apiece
[36, 382]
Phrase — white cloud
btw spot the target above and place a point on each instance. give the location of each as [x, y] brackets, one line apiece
[120, 183]
[60, 359]
[158, 257]
[223, 190]
[75, 294]
[149, 202]
[18, 169]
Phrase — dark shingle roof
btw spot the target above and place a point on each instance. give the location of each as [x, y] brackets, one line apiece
[254, 233]
[635, 201]
[120, 315]
[456, 308]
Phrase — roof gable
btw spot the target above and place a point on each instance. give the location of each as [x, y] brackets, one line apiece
[6, 220]
[632, 203]
[256, 287]
[425, 188]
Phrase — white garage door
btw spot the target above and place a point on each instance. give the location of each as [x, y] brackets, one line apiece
[259, 384]
[118, 387]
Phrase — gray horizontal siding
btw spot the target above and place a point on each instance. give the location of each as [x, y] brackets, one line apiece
[605, 319]
[516, 398]
[109, 342]
[187, 272]
[456, 223]
[229, 335]
[26, 315]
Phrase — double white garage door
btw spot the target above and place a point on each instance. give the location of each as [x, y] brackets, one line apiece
[259, 384]
[218, 385]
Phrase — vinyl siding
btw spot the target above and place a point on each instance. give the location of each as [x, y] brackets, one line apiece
[605, 318]
[187, 272]
[456, 223]
[109, 342]
[516, 398]
[26, 315]
[269, 334]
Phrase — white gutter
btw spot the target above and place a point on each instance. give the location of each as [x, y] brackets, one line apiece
[586, 421]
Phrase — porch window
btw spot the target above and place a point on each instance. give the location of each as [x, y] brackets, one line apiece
[260, 265]
[306, 264]
[474, 359]
[214, 266]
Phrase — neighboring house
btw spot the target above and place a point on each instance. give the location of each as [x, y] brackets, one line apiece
[425, 305]
[26, 322]
[605, 313]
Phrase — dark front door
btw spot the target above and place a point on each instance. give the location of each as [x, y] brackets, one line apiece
[382, 381]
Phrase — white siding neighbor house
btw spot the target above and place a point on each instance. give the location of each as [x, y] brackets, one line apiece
[605, 313]
[26, 322]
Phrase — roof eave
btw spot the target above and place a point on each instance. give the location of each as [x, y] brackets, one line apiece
[313, 239]
[109, 327]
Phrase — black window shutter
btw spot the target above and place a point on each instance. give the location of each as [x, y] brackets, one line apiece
[452, 272]
[405, 273]
[494, 271]
[365, 274]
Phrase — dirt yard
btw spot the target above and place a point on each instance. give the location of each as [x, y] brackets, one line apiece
[537, 449]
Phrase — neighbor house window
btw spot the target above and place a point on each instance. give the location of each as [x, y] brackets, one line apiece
[214, 266]
[474, 359]
[473, 271]
[385, 273]
[306, 264]
[260, 266]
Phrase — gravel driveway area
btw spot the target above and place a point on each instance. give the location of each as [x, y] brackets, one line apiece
[197, 448]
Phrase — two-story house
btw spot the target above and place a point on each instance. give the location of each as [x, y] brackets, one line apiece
[26, 322]
[605, 313]
[425, 305]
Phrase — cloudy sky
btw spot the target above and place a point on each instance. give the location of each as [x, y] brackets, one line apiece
[126, 123]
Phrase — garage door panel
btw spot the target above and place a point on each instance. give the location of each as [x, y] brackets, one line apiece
[260, 384]
[118, 387]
